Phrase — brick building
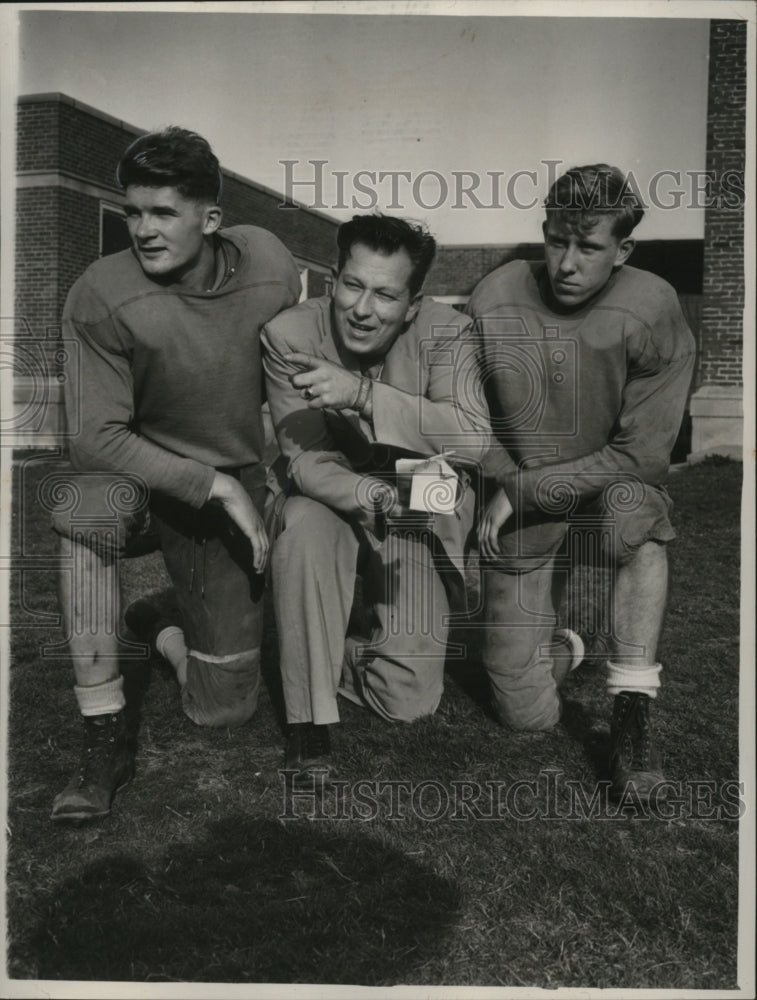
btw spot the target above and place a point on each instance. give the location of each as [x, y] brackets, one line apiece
[69, 212]
[717, 403]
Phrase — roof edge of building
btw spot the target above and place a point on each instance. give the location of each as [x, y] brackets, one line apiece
[285, 203]
[540, 243]
[56, 97]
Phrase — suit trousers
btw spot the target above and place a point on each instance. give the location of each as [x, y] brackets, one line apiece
[394, 664]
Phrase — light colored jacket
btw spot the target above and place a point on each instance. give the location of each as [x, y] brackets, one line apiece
[428, 399]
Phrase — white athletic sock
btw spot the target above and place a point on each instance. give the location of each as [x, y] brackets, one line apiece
[641, 677]
[101, 699]
[170, 643]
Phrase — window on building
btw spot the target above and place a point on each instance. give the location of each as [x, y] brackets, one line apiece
[114, 234]
[315, 281]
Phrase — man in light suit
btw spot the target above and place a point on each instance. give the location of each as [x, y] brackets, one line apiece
[355, 380]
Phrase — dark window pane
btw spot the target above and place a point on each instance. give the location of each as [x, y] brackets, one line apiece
[115, 234]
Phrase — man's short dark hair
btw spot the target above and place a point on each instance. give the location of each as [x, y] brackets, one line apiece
[389, 235]
[175, 158]
[583, 195]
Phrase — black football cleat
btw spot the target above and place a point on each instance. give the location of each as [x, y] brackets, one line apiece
[106, 766]
[308, 749]
[634, 764]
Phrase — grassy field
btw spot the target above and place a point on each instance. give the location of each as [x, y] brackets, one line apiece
[446, 868]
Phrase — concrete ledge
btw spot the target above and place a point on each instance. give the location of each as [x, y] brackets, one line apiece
[717, 422]
[39, 419]
[718, 401]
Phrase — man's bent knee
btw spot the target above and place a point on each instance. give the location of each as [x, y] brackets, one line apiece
[221, 694]
[407, 702]
[540, 715]
[105, 513]
[524, 695]
[634, 517]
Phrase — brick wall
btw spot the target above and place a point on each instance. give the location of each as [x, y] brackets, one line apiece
[722, 312]
[37, 135]
[78, 237]
[457, 270]
[37, 293]
[57, 236]
[56, 133]
[305, 234]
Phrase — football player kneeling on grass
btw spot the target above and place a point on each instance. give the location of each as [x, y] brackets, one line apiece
[166, 393]
[588, 363]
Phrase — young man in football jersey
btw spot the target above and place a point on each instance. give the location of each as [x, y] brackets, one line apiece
[165, 398]
[587, 368]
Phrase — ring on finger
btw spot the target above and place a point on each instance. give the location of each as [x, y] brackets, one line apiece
[307, 393]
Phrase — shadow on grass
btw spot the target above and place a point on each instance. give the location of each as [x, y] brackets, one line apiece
[253, 901]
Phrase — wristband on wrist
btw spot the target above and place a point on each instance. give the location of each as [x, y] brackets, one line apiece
[362, 394]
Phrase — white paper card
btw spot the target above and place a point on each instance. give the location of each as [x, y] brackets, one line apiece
[433, 487]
